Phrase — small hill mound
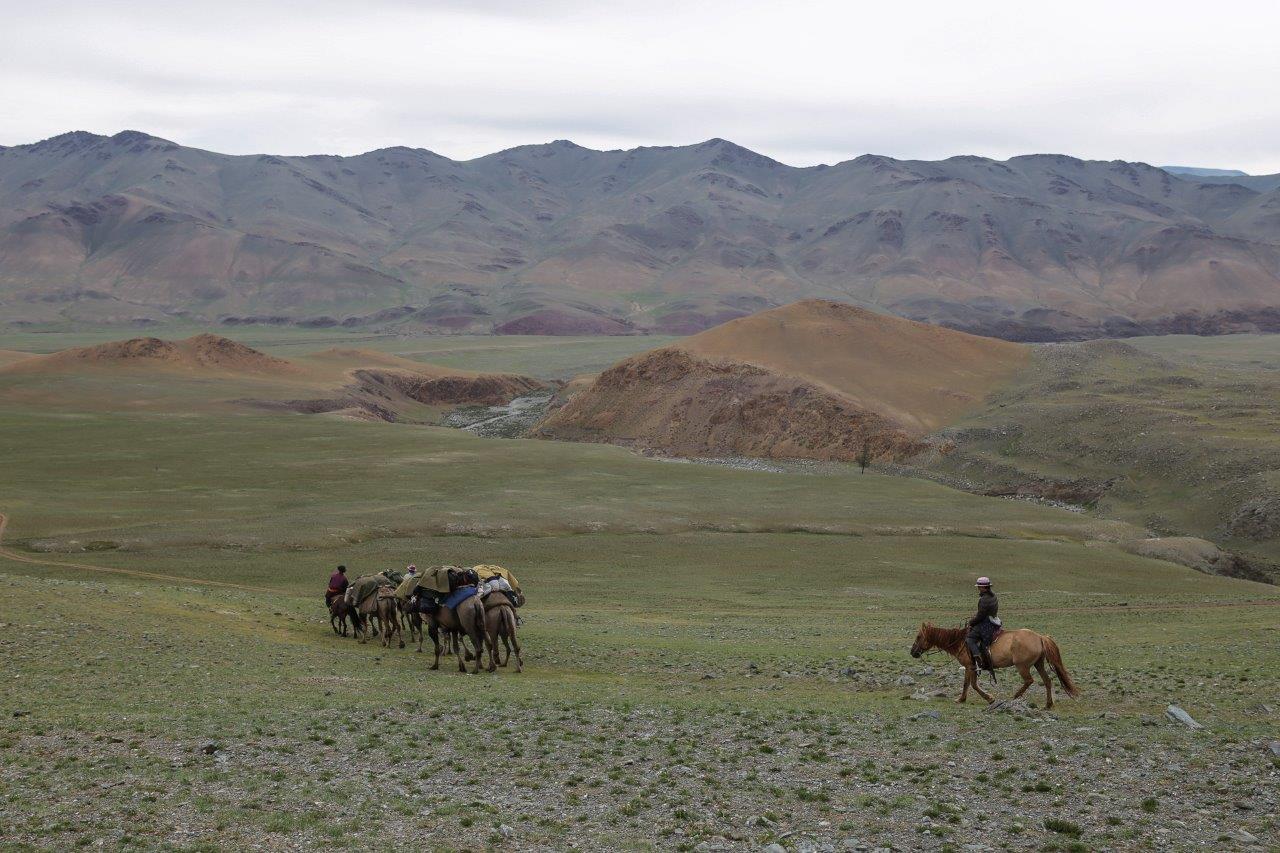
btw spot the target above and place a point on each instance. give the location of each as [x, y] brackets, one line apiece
[208, 353]
[379, 385]
[814, 380]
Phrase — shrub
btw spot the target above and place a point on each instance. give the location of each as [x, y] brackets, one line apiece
[1064, 827]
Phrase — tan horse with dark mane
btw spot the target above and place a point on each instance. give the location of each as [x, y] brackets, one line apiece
[500, 624]
[1022, 648]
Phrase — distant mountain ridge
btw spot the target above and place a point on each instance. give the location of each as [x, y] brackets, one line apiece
[561, 239]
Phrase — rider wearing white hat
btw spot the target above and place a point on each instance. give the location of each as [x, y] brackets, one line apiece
[984, 625]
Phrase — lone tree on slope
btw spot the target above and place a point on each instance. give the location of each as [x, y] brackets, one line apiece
[864, 458]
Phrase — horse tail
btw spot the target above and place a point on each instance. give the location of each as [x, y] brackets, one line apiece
[1052, 652]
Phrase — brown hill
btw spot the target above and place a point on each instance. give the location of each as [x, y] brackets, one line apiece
[813, 380]
[205, 353]
[365, 383]
[9, 356]
[560, 239]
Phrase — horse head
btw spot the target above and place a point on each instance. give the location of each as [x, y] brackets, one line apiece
[922, 643]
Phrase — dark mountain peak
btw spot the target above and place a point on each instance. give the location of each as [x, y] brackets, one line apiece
[404, 151]
[67, 143]
[1049, 159]
[874, 160]
[730, 153]
[541, 151]
[129, 137]
[136, 141]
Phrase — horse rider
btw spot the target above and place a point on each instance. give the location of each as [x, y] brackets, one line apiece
[338, 584]
[984, 626]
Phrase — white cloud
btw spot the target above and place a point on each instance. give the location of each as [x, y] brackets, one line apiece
[804, 82]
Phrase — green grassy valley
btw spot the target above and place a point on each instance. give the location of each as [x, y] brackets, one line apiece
[716, 658]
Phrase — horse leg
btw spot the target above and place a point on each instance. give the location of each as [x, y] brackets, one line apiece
[477, 632]
[509, 618]
[964, 693]
[1027, 680]
[479, 641]
[1048, 685]
[434, 631]
[984, 694]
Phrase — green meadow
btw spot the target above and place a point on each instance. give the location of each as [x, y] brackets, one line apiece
[714, 656]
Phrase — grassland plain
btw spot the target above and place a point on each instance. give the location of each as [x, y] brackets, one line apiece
[716, 657]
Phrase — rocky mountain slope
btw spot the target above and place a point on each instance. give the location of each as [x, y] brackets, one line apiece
[812, 380]
[556, 238]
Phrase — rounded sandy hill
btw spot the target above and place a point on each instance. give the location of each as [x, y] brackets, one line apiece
[201, 353]
[815, 379]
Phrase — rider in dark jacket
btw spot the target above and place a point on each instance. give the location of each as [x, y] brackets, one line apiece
[338, 584]
[984, 625]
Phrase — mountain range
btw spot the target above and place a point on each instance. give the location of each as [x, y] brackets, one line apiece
[561, 239]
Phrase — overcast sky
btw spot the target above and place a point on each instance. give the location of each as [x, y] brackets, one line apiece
[805, 82]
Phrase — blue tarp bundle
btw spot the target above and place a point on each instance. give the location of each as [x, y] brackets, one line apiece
[459, 595]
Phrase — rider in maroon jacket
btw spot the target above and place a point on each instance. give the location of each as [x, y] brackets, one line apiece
[337, 585]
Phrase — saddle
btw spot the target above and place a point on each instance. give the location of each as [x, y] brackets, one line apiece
[386, 592]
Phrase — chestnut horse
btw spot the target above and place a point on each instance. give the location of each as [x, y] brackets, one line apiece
[1022, 648]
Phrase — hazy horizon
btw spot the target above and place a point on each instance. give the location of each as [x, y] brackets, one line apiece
[821, 83]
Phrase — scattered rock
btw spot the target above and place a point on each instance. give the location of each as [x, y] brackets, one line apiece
[773, 848]
[209, 747]
[1177, 715]
[22, 713]
[926, 715]
[1274, 747]
[506, 831]
[906, 680]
